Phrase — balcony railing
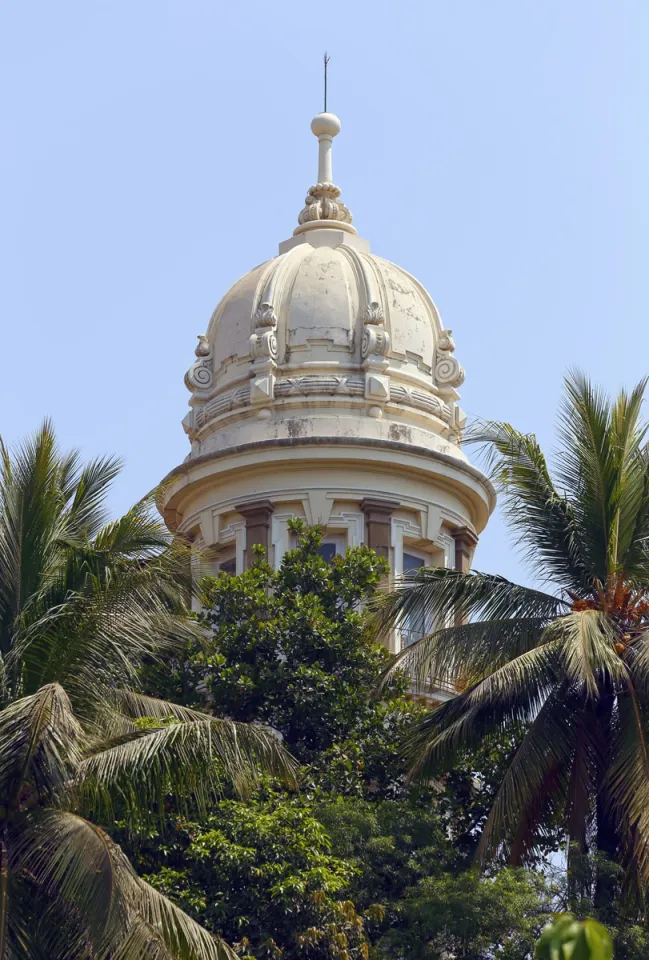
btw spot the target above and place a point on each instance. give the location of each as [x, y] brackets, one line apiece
[435, 687]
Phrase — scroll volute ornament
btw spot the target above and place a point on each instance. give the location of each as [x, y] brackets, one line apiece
[200, 375]
[448, 372]
[263, 342]
[376, 339]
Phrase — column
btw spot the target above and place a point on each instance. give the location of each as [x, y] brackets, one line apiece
[378, 522]
[465, 544]
[257, 515]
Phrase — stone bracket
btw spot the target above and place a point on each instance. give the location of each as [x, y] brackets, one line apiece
[465, 544]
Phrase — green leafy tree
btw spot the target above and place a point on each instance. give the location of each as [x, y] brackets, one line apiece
[291, 649]
[82, 605]
[469, 916]
[262, 874]
[340, 878]
[416, 883]
[391, 844]
[570, 668]
[394, 843]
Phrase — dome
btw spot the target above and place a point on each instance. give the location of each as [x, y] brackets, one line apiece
[325, 319]
[325, 386]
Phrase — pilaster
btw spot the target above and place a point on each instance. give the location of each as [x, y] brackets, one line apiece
[378, 524]
[257, 514]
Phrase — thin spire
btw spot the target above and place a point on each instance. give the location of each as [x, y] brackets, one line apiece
[323, 207]
[326, 63]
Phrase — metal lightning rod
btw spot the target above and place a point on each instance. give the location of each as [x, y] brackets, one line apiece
[326, 61]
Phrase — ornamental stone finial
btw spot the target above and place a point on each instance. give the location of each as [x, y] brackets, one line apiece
[322, 205]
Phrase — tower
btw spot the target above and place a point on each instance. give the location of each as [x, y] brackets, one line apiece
[325, 388]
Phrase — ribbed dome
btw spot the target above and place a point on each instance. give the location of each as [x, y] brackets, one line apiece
[329, 323]
[323, 298]
[326, 317]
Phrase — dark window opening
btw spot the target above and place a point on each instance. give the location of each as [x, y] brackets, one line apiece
[414, 626]
[228, 566]
[327, 551]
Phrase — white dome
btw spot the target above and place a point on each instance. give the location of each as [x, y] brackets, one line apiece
[326, 387]
[327, 319]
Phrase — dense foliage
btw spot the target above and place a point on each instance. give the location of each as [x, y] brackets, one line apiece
[292, 649]
[116, 704]
[283, 876]
[262, 875]
[357, 862]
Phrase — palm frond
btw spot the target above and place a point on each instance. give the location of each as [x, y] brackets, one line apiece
[541, 518]
[637, 660]
[536, 777]
[602, 466]
[172, 933]
[86, 489]
[192, 759]
[587, 650]
[72, 862]
[137, 534]
[497, 705]
[90, 641]
[467, 651]
[44, 930]
[40, 745]
[626, 786]
[76, 863]
[439, 595]
[584, 776]
[30, 524]
[635, 554]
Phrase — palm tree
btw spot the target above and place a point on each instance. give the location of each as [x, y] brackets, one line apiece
[564, 668]
[83, 604]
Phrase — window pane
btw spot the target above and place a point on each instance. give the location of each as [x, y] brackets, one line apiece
[412, 563]
[327, 551]
[228, 566]
[414, 624]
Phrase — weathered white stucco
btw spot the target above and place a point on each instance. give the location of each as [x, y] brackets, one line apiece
[326, 377]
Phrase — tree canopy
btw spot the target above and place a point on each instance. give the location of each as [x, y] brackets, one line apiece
[345, 868]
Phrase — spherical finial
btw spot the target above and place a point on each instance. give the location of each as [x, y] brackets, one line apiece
[325, 125]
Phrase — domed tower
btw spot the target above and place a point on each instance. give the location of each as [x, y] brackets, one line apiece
[326, 388]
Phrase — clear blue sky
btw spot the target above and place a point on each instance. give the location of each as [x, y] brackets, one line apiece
[153, 151]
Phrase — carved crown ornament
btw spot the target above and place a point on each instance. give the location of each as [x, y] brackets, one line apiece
[448, 372]
[200, 375]
[322, 203]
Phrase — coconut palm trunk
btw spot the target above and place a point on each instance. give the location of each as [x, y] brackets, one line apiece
[83, 604]
[563, 668]
[4, 888]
